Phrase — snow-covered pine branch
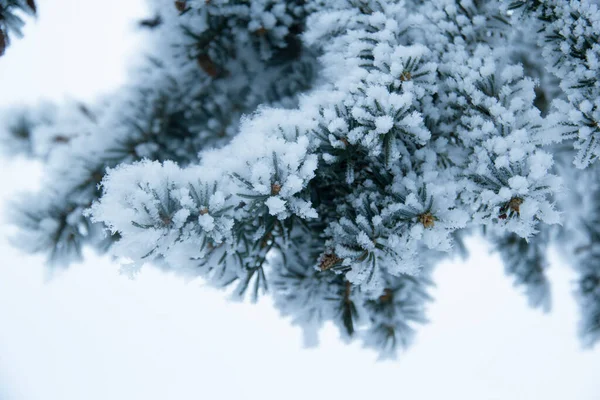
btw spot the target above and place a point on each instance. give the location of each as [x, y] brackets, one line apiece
[200, 79]
[570, 39]
[331, 153]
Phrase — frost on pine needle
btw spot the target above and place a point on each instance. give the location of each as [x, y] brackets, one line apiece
[332, 153]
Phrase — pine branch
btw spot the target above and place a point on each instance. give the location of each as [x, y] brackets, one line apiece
[11, 22]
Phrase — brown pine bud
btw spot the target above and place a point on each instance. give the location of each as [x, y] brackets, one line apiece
[275, 189]
[208, 65]
[405, 76]
[387, 295]
[266, 241]
[427, 219]
[180, 6]
[328, 261]
[261, 31]
[166, 219]
[204, 211]
[515, 205]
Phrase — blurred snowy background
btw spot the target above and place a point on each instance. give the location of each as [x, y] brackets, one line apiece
[90, 333]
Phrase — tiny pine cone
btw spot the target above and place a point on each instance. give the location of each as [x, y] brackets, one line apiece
[180, 6]
[208, 65]
[328, 261]
[260, 31]
[275, 189]
[427, 219]
[387, 295]
[515, 204]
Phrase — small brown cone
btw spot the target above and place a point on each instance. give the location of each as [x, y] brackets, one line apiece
[328, 261]
[260, 31]
[515, 205]
[275, 189]
[387, 296]
[180, 6]
[208, 65]
[427, 219]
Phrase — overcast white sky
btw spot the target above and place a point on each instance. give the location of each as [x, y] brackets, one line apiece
[90, 333]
